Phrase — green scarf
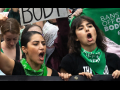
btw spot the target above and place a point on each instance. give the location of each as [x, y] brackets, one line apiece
[2, 50]
[95, 59]
[30, 72]
[6, 9]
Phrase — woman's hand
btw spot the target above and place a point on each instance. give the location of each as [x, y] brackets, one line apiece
[77, 12]
[3, 18]
[64, 76]
[116, 74]
[88, 75]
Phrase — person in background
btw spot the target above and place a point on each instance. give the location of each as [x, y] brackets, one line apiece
[3, 18]
[55, 33]
[14, 13]
[10, 46]
[88, 54]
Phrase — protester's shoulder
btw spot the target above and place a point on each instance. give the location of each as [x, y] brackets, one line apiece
[71, 57]
[18, 69]
[111, 55]
[54, 73]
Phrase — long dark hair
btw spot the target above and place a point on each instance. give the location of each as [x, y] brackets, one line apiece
[74, 46]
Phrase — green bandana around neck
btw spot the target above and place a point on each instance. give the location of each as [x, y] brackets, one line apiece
[30, 72]
[95, 59]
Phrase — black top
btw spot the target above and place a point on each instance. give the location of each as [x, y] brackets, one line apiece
[17, 52]
[14, 15]
[75, 64]
[19, 70]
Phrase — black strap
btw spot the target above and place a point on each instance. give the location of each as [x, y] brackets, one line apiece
[17, 52]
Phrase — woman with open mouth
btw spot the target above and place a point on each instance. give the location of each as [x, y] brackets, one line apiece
[34, 47]
[87, 55]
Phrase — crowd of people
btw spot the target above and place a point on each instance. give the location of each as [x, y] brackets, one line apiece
[54, 48]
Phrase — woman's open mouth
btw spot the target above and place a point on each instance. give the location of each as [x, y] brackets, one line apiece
[89, 37]
[41, 56]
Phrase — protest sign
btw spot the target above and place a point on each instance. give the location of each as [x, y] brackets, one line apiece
[32, 15]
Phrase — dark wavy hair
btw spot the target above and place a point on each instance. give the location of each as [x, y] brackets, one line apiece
[74, 46]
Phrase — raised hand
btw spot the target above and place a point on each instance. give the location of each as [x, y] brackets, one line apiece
[3, 18]
[77, 13]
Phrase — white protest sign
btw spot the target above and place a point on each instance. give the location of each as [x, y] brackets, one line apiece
[32, 15]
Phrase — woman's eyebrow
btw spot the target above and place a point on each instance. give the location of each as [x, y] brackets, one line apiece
[83, 25]
[43, 41]
[35, 41]
[80, 26]
[88, 23]
[38, 41]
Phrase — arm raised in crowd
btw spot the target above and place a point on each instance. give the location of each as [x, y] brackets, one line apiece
[77, 12]
[3, 18]
[6, 64]
[62, 39]
[64, 29]
[63, 25]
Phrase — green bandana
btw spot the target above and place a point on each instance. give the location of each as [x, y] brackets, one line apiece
[95, 59]
[6, 9]
[30, 72]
